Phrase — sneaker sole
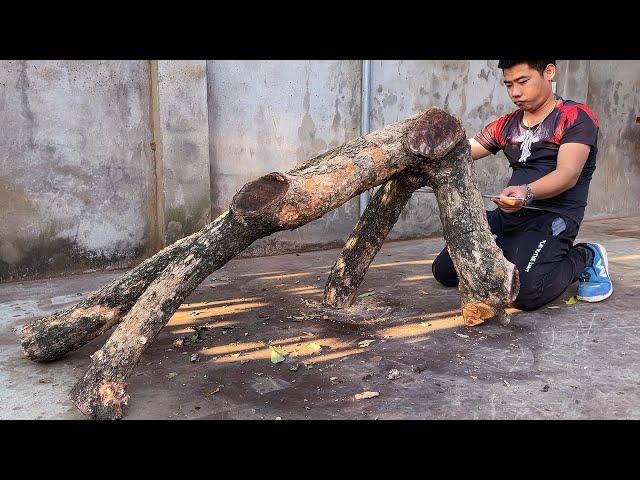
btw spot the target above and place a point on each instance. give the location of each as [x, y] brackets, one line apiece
[605, 259]
[598, 298]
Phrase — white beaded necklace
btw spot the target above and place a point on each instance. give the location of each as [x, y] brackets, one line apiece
[529, 135]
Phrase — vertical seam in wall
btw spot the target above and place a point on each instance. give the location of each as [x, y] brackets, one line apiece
[586, 94]
[156, 139]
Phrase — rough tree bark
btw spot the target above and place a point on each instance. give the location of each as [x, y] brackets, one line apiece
[101, 391]
[50, 338]
[274, 202]
[488, 281]
[365, 161]
[363, 244]
[269, 204]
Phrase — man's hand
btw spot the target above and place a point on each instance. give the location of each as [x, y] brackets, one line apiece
[508, 205]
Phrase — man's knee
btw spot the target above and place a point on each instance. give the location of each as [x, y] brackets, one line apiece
[529, 298]
[444, 271]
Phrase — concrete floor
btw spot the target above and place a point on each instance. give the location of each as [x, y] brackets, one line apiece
[569, 362]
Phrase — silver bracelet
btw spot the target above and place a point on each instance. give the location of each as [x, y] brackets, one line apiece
[529, 196]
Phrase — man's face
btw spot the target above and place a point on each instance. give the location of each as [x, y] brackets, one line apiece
[526, 87]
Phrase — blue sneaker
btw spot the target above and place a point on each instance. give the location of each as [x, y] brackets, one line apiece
[594, 283]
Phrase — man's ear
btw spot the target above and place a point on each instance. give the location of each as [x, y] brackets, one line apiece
[549, 72]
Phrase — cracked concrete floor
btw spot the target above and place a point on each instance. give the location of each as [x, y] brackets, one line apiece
[559, 362]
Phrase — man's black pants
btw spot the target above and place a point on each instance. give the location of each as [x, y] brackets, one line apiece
[540, 245]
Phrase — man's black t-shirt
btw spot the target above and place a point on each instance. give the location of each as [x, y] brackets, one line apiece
[533, 152]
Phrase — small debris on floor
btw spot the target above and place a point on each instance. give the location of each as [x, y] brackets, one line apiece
[276, 356]
[367, 294]
[365, 395]
[393, 374]
[216, 390]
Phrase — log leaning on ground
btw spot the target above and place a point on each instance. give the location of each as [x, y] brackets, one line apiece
[488, 281]
[269, 204]
[365, 162]
[367, 237]
[50, 338]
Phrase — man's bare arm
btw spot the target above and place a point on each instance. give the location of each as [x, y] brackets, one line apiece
[571, 160]
[477, 150]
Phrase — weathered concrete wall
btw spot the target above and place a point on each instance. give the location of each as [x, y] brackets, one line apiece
[182, 147]
[470, 90]
[82, 187]
[572, 79]
[267, 116]
[614, 96]
[76, 176]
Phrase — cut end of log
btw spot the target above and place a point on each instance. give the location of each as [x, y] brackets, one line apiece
[105, 404]
[50, 338]
[256, 196]
[112, 396]
[434, 134]
[36, 346]
[476, 313]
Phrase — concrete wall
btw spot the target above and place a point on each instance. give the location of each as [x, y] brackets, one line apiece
[470, 90]
[104, 162]
[76, 172]
[572, 79]
[267, 116]
[181, 134]
[614, 96]
[101, 163]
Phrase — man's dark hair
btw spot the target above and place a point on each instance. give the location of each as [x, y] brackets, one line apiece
[538, 65]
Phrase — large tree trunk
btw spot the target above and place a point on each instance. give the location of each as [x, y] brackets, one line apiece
[409, 152]
[488, 281]
[269, 204]
[362, 163]
[101, 392]
[363, 244]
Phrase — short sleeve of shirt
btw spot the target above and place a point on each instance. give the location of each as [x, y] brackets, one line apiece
[491, 135]
[581, 126]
